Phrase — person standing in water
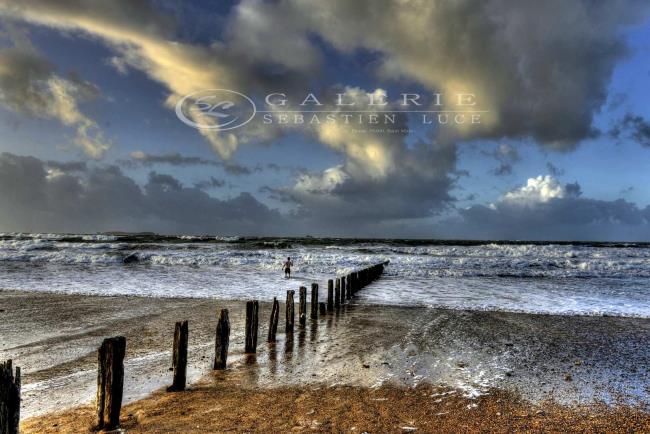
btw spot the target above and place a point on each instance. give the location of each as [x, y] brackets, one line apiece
[287, 268]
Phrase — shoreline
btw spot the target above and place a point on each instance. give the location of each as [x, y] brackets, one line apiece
[571, 360]
[360, 300]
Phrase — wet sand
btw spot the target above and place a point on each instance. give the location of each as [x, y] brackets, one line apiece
[226, 404]
[527, 360]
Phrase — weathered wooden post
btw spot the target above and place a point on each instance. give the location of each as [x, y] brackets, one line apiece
[273, 321]
[179, 357]
[110, 382]
[330, 295]
[348, 286]
[322, 307]
[222, 340]
[252, 311]
[289, 313]
[302, 306]
[9, 398]
[343, 286]
[314, 300]
[337, 292]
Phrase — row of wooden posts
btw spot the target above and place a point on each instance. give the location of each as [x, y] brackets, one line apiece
[110, 371]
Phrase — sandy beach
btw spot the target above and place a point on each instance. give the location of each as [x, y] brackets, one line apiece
[409, 359]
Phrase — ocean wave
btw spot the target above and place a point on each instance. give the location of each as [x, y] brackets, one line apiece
[521, 260]
[529, 277]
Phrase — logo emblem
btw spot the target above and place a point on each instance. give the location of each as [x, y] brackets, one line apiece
[215, 109]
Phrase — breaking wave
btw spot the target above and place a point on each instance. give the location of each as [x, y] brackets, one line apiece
[568, 278]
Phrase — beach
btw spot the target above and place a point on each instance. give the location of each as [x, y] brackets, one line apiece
[388, 216]
[535, 370]
[470, 336]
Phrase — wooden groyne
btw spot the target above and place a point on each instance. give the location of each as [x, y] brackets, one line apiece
[110, 367]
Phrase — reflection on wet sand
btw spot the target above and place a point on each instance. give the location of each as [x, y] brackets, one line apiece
[357, 344]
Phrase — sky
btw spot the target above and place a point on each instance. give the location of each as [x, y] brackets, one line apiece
[184, 118]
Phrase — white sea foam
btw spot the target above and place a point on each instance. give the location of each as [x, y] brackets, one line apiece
[559, 279]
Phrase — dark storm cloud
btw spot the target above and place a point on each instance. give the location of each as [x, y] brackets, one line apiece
[104, 199]
[511, 54]
[335, 199]
[633, 126]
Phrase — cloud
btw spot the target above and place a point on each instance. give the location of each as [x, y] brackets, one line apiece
[545, 209]
[382, 178]
[145, 39]
[67, 166]
[537, 190]
[627, 190]
[139, 158]
[173, 159]
[506, 155]
[554, 170]
[210, 183]
[633, 126]
[30, 85]
[103, 199]
[510, 54]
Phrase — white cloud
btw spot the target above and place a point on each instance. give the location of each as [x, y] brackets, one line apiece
[537, 190]
[545, 209]
[323, 183]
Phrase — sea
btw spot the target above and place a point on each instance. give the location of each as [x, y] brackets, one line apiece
[565, 278]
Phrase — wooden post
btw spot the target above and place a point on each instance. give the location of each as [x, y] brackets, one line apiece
[322, 308]
[302, 306]
[337, 292]
[348, 286]
[343, 285]
[222, 340]
[179, 357]
[252, 310]
[330, 295]
[110, 382]
[273, 322]
[289, 313]
[9, 398]
[314, 300]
